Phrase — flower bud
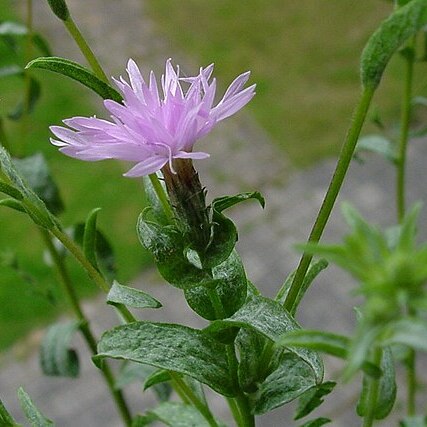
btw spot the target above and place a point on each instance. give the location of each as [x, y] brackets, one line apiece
[187, 197]
[59, 8]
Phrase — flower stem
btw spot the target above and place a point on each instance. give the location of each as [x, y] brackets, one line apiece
[85, 328]
[374, 385]
[161, 194]
[189, 394]
[84, 48]
[404, 130]
[343, 163]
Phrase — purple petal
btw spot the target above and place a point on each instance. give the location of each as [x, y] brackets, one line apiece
[146, 167]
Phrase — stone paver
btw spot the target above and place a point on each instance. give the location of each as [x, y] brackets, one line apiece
[242, 159]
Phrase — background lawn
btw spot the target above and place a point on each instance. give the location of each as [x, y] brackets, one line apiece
[304, 57]
[22, 302]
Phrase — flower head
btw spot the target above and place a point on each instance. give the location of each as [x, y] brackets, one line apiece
[149, 128]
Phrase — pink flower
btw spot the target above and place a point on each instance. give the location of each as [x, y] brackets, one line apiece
[149, 129]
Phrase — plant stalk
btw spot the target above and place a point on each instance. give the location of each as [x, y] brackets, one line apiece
[85, 328]
[374, 385]
[85, 48]
[342, 166]
[404, 131]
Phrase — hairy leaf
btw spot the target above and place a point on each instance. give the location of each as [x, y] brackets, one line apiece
[33, 415]
[393, 32]
[271, 320]
[312, 399]
[131, 297]
[56, 357]
[172, 347]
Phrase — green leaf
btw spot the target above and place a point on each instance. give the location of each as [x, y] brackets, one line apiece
[250, 345]
[290, 380]
[136, 372]
[15, 29]
[6, 420]
[10, 190]
[313, 271]
[224, 232]
[166, 245]
[175, 414]
[271, 320]
[56, 357]
[378, 144]
[34, 206]
[230, 284]
[410, 332]
[417, 421]
[159, 380]
[104, 251]
[393, 32]
[326, 342]
[76, 72]
[316, 423]
[131, 297]
[33, 415]
[89, 237]
[25, 106]
[312, 399]
[387, 391]
[172, 347]
[153, 200]
[36, 172]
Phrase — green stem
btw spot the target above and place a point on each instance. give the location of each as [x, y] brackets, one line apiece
[245, 418]
[343, 163]
[404, 132]
[400, 198]
[234, 408]
[198, 404]
[85, 328]
[84, 48]
[93, 273]
[372, 398]
[161, 194]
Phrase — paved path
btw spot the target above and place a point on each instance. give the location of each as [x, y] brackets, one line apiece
[242, 159]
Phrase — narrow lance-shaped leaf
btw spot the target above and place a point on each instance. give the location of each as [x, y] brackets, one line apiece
[312, 399]
[387, 390]
[89, 237]
[131, 297]
[36, 172]
[10, 190]
[33, 415]
[34, 206]
[317, 422]
[393, 32]
[172, 347]
[76, 72]
[313, 271]
[56, 357]
[6, 420]
[333, 344]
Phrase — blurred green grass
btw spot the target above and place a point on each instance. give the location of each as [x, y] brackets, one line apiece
[304, 58]
[84, 186]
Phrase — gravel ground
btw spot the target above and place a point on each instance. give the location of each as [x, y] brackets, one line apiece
[242, 159]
